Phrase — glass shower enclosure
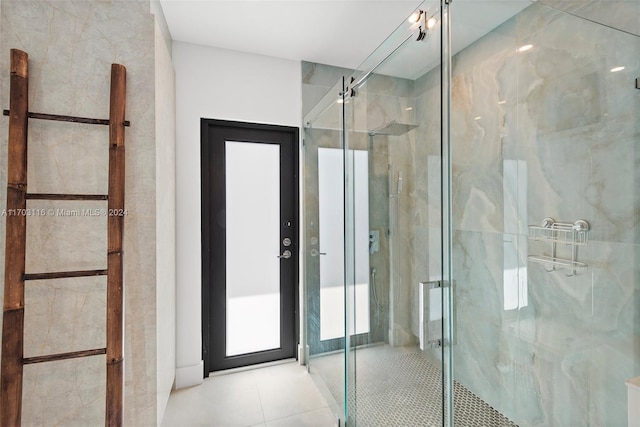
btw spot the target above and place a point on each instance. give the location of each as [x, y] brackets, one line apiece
[471, 218]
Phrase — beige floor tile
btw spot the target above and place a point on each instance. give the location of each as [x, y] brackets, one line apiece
[248, 398]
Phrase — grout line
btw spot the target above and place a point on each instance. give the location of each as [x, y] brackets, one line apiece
[298, 414]
[303, 381]
[264, 419]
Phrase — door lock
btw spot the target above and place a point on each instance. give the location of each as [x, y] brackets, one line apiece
[286, 241]
[286, 254]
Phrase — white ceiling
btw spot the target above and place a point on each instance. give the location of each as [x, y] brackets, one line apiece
[470, 20]
[341, 33]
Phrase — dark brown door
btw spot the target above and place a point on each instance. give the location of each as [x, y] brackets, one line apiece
[249, 243]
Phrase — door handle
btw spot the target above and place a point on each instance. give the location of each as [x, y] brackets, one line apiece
[286, 254]
[314, 252]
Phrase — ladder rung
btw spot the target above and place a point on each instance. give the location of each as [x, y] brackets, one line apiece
[63, 356]
[43, 196]
[64, 274]
[74, 119]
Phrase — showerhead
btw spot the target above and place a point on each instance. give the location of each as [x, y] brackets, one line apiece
[392, 128]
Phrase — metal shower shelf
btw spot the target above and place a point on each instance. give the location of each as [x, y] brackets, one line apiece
[573, 235]
[562, 232]
[553, 262]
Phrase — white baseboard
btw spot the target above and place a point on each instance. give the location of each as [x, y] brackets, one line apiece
[303, 351]
[187, 376]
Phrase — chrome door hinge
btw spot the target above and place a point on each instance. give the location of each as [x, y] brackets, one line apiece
[432, 284]
[435, 284]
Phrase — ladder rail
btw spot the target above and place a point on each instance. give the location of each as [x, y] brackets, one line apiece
[15, 245]
[115, 227]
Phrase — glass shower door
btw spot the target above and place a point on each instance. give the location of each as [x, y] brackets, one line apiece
[500, 282]
[392, 119]
[544, 154]
[336, 282]
[324, 250]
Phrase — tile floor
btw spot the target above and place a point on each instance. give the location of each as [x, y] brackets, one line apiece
[281, 395]
[399, 386]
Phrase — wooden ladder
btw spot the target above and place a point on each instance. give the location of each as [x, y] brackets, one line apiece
[13, 359]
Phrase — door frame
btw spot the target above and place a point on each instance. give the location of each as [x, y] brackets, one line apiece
[207, 127]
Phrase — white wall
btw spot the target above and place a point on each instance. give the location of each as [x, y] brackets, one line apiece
[165, 219]
[218, 84]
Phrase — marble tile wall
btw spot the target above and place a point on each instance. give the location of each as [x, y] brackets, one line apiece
[383, 99]
[379, 102]
[313, 139]
[71, 45]
[317, 80]
[561, 356]
[427, 214]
